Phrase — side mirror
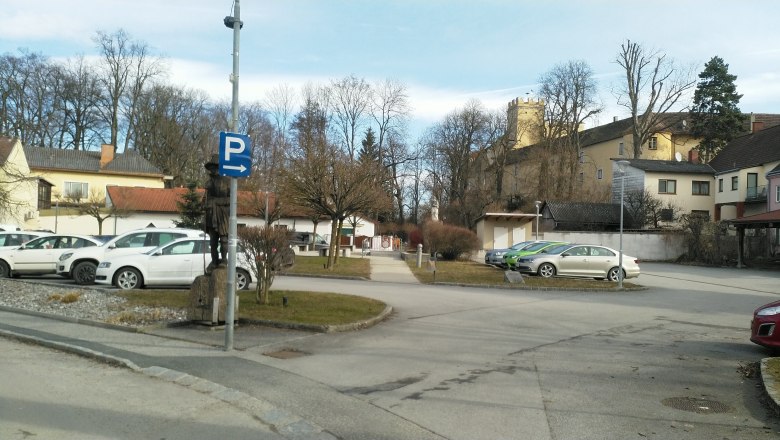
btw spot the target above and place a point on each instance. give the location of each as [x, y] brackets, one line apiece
[157, 252]
[565, 254]
[112, 246]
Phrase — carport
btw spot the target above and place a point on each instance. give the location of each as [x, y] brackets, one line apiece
[766, 220]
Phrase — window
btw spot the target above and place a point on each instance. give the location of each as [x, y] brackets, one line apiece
[600, 174]
[720, 185]
[652, 143]
[666, 214]
[44, 195]
[701, 188]
[735, 183]
[76, 190]
[666, 186]
[621, 149]
[777, 194]
[700, 214]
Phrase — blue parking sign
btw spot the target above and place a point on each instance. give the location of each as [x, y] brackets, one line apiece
[235, 154]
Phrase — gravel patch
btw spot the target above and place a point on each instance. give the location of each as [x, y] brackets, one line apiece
[82, 303]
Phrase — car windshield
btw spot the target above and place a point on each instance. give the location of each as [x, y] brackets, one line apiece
[536, 246]
[555, 250]
[521, 245]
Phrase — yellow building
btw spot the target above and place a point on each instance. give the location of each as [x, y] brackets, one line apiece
[20, 207]
[79, 175]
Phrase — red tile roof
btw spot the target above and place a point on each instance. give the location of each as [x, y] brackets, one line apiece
[165, 199]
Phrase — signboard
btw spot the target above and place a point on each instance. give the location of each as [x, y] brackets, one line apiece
[235, 154]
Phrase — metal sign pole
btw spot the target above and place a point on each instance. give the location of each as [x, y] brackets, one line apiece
[231, 273]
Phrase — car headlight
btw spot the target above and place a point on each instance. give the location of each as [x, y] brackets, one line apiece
[769, 311]
[104, 264]
[65, 256]
[524, 260]
[498, 254]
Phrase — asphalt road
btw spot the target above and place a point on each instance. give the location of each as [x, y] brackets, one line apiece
[474, 363]
[46, 394]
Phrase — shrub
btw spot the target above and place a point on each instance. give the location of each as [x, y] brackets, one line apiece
[449, 241]
[415, 238]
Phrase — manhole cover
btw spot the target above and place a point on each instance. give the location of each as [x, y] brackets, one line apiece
[692, 404]
[285, 354]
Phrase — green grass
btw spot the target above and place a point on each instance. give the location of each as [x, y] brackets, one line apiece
[470, 272]
[353, 267]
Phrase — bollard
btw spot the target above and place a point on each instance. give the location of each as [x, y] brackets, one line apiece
[419, 255]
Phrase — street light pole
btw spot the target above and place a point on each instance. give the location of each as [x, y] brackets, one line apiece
[538, 203]
[235, 24]
[622, 169]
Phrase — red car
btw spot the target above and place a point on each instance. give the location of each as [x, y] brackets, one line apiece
[765, 327]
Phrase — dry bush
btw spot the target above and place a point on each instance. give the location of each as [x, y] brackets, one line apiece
[70, 297]
[450, 241]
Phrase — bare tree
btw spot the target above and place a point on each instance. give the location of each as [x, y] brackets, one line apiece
[350, 99]
[390, 110]
[81, 99]
[455, 145]
[94, 206]
[654, 85]
[267, 247]
[279, 102]
[569, 92]
[126, 69]
[175, 131]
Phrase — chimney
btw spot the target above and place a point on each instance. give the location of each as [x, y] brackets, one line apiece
[693, 156]
[107, 152]
[757, 126]
[614, 119]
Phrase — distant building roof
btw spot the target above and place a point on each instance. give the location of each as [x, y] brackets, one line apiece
[671, 166]
[129, 162]
[164, 200]
[769, 219]
[6, 146]
[587, 214]
[749, 150]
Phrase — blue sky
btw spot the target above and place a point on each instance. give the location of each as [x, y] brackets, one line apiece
[446, 52]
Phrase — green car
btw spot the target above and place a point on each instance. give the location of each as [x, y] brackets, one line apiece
[510, 258]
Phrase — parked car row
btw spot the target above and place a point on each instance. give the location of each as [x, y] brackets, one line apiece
[145, 257]
[548, 259]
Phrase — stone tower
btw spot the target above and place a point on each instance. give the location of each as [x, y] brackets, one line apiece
[524, 116]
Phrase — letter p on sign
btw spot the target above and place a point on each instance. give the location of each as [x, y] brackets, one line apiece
[235, 154]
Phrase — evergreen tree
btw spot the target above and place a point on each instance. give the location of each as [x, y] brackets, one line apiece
[369, 152]
[715, 116]
[190, 208]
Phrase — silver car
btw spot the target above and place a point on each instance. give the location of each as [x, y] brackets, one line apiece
[579, 260]
[496, 256]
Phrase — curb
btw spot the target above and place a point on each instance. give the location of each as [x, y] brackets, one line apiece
[562, 289]
[772, 388]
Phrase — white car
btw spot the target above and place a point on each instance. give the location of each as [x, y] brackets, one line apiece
[177, 263]
[39, 256]
[80, 264]
[14, 239]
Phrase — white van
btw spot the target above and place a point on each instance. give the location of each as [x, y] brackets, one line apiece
[80, 264]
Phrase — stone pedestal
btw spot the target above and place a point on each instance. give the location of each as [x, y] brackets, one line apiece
[513, 277]
[208, 298]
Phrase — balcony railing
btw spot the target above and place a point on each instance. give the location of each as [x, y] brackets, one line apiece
[756, 194]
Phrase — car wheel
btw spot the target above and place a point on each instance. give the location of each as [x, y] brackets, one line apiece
[5, 271]
[128, 278]
[242, 279]
[84, 273]
[546, 270]
[612, 275]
